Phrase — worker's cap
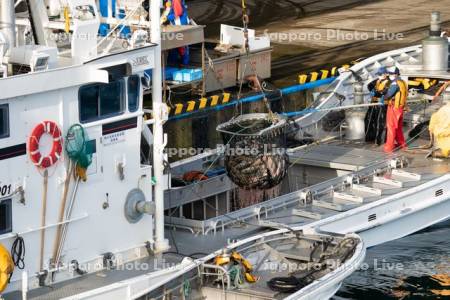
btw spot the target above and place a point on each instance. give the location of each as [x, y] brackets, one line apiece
[381, 71]
[395, 71]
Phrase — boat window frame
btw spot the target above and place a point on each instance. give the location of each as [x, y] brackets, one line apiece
[138, 95]
[4, 109]
[123, 104]
[6, 204]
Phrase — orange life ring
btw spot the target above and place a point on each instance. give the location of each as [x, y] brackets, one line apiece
[45, 127]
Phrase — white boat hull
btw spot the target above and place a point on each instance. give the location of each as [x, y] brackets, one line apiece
[396, 216]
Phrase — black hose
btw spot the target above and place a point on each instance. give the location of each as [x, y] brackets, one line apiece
[285, 284]
[418, 130]
[18, 252]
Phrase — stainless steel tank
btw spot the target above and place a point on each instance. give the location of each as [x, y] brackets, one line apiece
[435, 48]
[355, 128]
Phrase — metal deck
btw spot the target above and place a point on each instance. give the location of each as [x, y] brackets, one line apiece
[374, 180]
[101, 279]
[336, 157]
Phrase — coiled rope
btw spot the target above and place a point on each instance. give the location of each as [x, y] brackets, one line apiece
[18, 252]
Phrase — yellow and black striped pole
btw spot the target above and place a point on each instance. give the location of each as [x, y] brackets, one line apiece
[199, 105]
[320, 75]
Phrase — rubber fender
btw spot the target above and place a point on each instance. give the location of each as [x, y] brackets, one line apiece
[6, 267]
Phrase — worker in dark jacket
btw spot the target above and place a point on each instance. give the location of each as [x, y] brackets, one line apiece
[396, 104]
[376, 115]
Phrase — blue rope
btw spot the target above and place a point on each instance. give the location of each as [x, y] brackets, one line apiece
[284, 91]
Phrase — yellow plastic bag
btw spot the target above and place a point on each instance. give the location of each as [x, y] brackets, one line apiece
[440, 128]
[6, 267]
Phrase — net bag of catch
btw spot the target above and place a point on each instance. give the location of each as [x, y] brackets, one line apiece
[255, 156]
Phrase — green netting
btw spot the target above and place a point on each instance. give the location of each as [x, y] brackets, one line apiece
[77, 146]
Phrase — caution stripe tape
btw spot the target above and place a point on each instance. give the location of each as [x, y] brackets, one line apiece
[424, 83]
[320, 75]
[198, 105]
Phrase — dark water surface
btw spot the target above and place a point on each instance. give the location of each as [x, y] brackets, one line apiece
[414, 267]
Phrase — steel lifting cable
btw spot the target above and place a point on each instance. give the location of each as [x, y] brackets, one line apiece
[212, 67]
[266, 101]
[245, 21]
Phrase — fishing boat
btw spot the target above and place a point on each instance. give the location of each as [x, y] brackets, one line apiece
[76, 198]
[82, 212]
[336, 181]
[286, 264]
[84, 215]
[283, 264]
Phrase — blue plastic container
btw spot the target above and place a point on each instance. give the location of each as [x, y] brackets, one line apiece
[169, 71]
[187, 75]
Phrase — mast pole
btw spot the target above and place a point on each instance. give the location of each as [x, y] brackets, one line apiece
[160, 115]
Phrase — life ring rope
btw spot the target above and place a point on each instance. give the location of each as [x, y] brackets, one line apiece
[45, 127]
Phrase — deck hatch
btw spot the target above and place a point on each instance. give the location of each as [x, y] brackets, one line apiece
[372, 217]
[439, 192]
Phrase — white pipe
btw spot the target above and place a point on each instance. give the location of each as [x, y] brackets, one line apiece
[24, 285]
[17, 3]
[65, 225]
[220, 268]
[110, 12]
[159, 115]
[13, 235]
[8, 22]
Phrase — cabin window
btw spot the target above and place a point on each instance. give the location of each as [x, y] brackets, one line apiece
[133, 93]
[99, 101]
[4, 121]
[5, 216]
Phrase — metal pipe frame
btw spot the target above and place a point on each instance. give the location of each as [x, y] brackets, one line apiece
[271, 206]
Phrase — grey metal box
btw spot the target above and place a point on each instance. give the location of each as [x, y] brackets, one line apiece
[257, 63]
[225, 73]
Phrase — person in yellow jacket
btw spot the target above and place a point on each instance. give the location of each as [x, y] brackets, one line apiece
[396, 104]
[375, 120]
